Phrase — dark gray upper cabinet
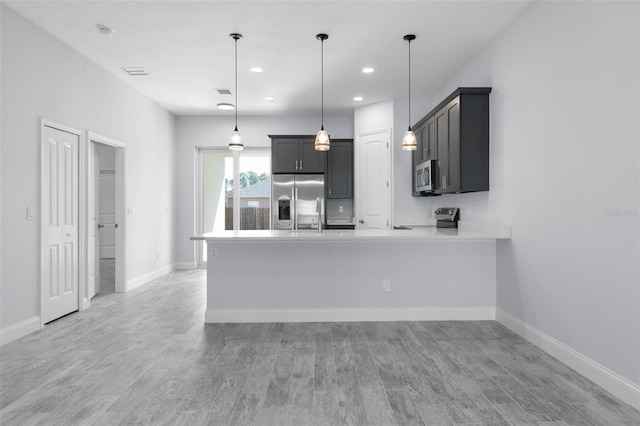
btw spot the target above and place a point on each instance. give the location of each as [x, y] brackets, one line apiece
[311, 161]
[340, 169]
[296, 154]
[426, 136]
[456, 135]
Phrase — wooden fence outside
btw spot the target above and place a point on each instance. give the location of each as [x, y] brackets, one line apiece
[250, 218]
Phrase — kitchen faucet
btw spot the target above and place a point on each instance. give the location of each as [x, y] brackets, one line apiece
[319, 211]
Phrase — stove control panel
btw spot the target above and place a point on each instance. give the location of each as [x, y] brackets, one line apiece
[447, 217]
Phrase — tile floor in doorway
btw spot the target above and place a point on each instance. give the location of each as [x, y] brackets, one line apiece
[107, 276]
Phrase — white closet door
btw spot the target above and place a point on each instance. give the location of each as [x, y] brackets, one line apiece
[60, 222]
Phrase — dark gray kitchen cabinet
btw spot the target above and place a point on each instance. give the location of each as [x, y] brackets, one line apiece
[296, 154]
[429, 147]
[456, 135]
[425, 136]
[340, 169]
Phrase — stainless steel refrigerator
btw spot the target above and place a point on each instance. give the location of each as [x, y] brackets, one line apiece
[295, 201]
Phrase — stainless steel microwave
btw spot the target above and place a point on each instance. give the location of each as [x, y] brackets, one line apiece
[425, 172]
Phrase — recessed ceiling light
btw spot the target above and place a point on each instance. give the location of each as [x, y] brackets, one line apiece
[104, 30]
[226, 107]
[357, 98]
[255, 69]
[269, 98]
[367, 70]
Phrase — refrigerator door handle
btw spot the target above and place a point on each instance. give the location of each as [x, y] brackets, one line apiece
[297, 223]
[295, 209]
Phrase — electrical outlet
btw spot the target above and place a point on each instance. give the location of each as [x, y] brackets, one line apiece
[29, 213]
[158, 255]
[386, 285]
[340, 209]
[213, 252]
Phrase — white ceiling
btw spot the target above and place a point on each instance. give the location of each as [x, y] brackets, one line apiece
[186, 48]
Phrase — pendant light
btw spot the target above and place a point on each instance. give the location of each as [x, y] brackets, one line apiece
[409, 142]
[322, 138]
[236, 140]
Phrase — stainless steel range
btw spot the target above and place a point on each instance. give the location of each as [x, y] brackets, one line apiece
[447, 217]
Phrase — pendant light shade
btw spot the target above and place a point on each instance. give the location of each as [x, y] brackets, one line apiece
[235, 144]
[409, 142]
[322, 138]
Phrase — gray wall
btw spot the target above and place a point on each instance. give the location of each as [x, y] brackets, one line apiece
[210, 131]
[44, 78]
[564, 173]
[568, 99]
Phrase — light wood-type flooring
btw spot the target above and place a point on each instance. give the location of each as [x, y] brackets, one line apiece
[107, 276]
[147, 357]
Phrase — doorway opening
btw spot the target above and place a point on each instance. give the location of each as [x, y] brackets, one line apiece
[106, 214]
[106, 217]
[233, 192]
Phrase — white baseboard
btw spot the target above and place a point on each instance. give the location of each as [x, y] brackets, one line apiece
[143, 279]
[348, 315]
[19, 330]
[184, 266]
[609, 380]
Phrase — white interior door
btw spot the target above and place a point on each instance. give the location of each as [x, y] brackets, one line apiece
[107, 214]
[92, 226]
[373, 186]
[60, 223]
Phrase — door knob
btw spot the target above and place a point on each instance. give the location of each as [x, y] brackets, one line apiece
[361, 221]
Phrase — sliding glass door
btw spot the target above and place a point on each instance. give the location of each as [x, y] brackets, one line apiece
[233, 193]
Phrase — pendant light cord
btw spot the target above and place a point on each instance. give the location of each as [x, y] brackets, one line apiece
[409, 84]
[322, 82]
[236, 90]
[409, 38]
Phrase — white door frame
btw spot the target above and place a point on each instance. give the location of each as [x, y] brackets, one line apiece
[121, 216]
[44, 213]
[93, 200]
[356, 170]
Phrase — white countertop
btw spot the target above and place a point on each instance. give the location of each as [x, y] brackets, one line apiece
[469, 231]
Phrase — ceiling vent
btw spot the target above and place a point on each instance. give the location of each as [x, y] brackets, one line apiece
[224, 91]
[135, 71]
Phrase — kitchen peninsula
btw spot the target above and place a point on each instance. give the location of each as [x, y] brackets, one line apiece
[425, 273]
